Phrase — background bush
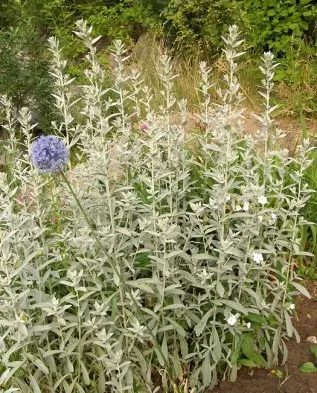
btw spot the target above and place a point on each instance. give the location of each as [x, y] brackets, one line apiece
[196, 26]
[192, 28]
[281, 26]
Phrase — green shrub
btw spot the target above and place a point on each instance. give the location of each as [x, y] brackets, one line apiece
[197, 26]
[280, 25]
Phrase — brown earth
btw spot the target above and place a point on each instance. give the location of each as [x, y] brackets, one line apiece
[293, 380]
[290, 126]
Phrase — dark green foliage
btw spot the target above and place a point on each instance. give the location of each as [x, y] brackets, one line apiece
[197, 25]
[281, 25]
[192, 29]
[24, 72]
[10, 11]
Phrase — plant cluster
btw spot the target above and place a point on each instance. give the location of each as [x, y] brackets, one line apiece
[163, 258]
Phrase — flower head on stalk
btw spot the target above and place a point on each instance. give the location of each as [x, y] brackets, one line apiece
[49, 154]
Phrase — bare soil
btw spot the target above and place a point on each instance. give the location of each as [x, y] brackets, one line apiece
[290, 126]
[293, 380]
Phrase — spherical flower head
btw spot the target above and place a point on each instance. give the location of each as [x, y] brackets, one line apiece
[49, 154]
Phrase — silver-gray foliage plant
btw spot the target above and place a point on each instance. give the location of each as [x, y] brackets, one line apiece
[202, 228]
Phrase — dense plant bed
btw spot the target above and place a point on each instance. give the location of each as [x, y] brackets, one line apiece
[152, 252]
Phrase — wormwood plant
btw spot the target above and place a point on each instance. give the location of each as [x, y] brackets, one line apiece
[164, 259]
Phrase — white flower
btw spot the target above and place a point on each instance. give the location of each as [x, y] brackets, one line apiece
[292, 306]
[196, 207]
[238, 208]
[262, 199]
[249, 325]
[257, 257]
[260, 218]
[228, 197]
[232, 319]
[245, 206]
[205, 276]
[274, 217]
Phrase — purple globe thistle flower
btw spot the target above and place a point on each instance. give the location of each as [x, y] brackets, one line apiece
[49, 154]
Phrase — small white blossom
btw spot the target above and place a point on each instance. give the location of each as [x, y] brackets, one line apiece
[238, 208]
[245, 206]
[195, 206]
[143, 223]
[205, 276]
[228, 197]
[292, 306]
[232, 319]
[260, 218]
[257, 257]
[163, 223]
[273, 217]
[249, 325]
[262, 199]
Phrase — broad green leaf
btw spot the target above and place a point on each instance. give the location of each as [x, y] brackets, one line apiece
[85, 373]
[79, 388]
[180, 330]
[34, 384]
[141, 284]
[259, 359]
[235, 305]
[175, 306]
[301, 289]
[220, 289]
[199, 328]
[308, 367]
[101, 381]
[247, 346]
[38, 363]
[124, 231]
[206, 371]
[177, 366]
[289, 325]
[247, 363]
[59, 381]
[257, 318]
